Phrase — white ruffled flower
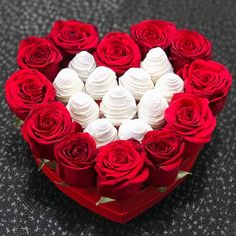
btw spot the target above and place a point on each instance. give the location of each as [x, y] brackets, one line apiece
[168, 85]
[83, 109]
[151, 108]
[137, 81]
[136, 129]
[118, 105]
[103, 131]
[67, 83]
[156, 63]
[83, 64]
[100, 81]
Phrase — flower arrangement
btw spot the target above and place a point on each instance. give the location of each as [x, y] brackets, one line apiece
[116, 123]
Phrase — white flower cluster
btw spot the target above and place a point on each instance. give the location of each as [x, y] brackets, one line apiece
[136, 103]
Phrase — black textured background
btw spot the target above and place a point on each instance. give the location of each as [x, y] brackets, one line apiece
[203, 205]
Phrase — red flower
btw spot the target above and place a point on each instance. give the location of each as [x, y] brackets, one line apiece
[73, 36]
[191, 118]
[121, 170]
[46, 125]
[27, 88]
[188, 46]
[153, 33]
[164, 149]
[208, 79]
[118, 51]
[41, 54]
[75, 156]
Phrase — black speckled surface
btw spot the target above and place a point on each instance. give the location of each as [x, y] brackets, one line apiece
[203, 205]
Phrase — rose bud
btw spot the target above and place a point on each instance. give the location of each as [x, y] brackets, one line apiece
[27, 88]
[191, 118]
[46, 125]
[164, 150]
[72, 37]
[208, 79]
[41, 54]
[75, 156]
[121, 170]
[118, 51]
[149, 34]
[188, 46]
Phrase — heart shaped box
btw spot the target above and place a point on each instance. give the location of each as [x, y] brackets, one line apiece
[120, 211]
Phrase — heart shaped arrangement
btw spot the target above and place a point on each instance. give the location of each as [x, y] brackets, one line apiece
[116, 124]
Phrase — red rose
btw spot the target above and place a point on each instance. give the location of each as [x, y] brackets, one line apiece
[75, 156]
[46, 125]
[208, 79]
[188, 46]
[27, 88]
[153, 33]
[118, 51]
[164, 149]
[41, 54]
[191, 118]
[73, 36]
[121, 170]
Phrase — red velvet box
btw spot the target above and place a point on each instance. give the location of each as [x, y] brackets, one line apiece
[118, 211]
